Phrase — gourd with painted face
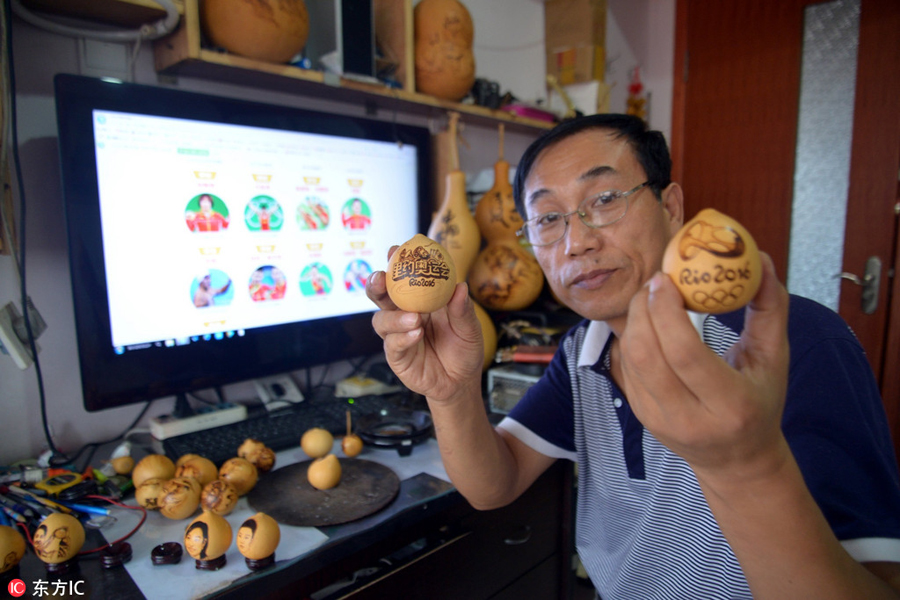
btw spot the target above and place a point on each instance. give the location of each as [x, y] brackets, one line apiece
[58, 538]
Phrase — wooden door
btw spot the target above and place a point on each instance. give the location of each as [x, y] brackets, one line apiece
[734, 124]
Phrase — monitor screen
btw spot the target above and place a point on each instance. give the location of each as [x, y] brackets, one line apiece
[215, 240]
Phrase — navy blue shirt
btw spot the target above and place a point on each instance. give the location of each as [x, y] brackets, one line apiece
[643, 527]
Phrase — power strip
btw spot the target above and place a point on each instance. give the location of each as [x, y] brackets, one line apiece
[166, 426]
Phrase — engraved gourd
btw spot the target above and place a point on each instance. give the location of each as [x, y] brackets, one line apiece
[454, 226]
[504, 275]
[445, 60]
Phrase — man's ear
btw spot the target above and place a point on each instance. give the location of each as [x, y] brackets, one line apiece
[673, 203]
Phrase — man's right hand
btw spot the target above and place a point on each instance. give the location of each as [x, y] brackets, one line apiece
[437, 355]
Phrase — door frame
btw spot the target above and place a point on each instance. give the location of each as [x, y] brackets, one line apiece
[871, 227]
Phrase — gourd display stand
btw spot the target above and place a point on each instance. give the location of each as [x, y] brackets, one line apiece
[505, 275]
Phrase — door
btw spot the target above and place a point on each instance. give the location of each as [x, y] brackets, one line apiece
[734, 137]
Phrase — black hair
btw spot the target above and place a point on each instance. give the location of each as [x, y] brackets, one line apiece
[649, 147]
[251, 525]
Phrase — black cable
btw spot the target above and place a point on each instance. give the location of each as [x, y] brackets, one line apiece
[22, 241]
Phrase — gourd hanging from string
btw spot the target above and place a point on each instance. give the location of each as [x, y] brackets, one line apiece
[453, 226]
[505, 275]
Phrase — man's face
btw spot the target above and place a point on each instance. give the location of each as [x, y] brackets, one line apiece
[595, 272]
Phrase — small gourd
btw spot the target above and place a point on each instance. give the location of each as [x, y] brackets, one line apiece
[58, 538]
[421, 275]
[257, 538]
[206, 539]
[241, 473]
[179, 497]
[714, 262]
[12, 548]
[218, 496]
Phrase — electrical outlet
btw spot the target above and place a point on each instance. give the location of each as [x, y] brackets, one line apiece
[104, 59]
[10, 341]
[278, 391]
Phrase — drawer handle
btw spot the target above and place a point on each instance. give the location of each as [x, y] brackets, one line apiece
[517, 541]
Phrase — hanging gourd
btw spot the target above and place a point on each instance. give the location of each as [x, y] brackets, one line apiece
[505, 275]
[445, 61]
[453, 226]
[488, 335]
[269, 30]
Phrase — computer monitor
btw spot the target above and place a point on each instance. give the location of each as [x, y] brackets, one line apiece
[214, 240]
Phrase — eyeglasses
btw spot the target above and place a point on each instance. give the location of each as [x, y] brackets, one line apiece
[597, 211]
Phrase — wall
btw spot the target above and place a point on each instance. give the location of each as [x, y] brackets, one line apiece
[508, 48]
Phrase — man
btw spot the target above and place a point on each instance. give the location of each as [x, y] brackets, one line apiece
[698, 477]
[205, 295]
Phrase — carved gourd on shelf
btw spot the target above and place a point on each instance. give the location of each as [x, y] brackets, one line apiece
[269, 30]
[445, 61]
[505, 275]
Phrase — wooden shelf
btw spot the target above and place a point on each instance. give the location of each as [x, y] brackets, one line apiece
[182, 53]
[124, 13]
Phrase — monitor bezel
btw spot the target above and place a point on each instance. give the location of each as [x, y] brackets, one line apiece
[109, 379]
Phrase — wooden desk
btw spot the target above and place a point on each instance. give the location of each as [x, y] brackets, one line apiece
[429, 543]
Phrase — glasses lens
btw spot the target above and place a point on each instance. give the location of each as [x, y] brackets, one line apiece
[605, 209]
[546, 231]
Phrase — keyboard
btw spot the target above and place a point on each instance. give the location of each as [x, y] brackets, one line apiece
[282, 429]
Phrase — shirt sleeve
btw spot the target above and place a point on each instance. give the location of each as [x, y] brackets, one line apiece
[543, 418]
[836, 426]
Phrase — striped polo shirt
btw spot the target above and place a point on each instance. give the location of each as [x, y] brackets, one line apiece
[643, 527]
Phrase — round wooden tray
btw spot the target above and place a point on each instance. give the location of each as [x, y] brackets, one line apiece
[285, 494]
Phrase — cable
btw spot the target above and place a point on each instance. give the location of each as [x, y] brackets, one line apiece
[13, 116]
[124, 537]
[96, 445]
[150, 31]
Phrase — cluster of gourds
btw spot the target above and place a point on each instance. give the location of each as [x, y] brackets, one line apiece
[502, 274]
[276, 31]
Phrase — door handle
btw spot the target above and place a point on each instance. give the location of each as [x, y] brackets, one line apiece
[870, 283]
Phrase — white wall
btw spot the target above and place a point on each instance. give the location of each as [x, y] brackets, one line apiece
[508, 49]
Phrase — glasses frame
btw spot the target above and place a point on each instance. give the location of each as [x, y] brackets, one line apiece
[582, 215]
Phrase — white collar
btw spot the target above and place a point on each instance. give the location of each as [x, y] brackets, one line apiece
[598, 333]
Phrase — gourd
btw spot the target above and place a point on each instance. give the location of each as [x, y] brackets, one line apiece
[269, 30]
[445, 62]
[505, 275]
[488, 335]
[453, 226]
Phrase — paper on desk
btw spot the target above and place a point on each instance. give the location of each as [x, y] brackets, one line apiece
[184, 580]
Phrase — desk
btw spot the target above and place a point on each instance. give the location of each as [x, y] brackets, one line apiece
[428, 543]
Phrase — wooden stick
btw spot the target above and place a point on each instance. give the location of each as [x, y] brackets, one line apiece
[501, 128]
[454, 149]
[348, 421]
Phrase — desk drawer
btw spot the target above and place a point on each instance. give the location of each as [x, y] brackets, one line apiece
[483, 554]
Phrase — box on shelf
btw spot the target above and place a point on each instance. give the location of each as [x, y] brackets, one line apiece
[575, 39]
[506, 384]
